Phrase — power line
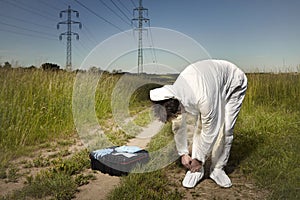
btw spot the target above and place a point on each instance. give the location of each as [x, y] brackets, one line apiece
[25, 21]
[34, 9]
[29, 10]
[84, 47]
[120, 2]
[65, 3]
[90, 36]
[114, 12]
[133, 3]
[45, 2]
[120, 10]
[26, 29]
[26, 34]
[103, 19]
[152, 47]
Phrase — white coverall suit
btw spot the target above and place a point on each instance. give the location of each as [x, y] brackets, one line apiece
[213, 90]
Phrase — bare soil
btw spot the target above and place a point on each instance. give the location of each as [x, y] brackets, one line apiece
[98, 188]
[24, 166]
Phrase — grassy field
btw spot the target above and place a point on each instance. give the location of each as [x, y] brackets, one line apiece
[266, 146]
[268, 134]
[36, 108]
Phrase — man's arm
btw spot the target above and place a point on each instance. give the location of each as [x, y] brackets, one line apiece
[179, 129]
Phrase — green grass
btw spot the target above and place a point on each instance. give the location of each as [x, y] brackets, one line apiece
[45, 184]
[267, 138]
[60, 181]
[153, 185]
[144, 118]
[266, 146]
[36, 108]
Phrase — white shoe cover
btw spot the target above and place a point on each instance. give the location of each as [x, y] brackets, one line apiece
[191, 179]
[221, 178]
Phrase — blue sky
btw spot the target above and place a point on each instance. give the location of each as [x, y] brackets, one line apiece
[257, 35]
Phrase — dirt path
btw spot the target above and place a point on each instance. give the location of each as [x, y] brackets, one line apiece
[104, 183]
[98, 188]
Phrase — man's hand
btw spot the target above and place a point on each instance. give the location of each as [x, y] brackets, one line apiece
[186, 161]
[195, 165]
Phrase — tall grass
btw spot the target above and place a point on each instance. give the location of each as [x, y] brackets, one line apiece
[34, 107]
[280, 91]
[268, 134]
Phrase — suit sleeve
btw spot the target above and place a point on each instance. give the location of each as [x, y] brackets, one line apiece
[179, 129]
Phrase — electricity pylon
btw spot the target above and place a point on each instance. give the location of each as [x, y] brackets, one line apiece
[69, 33]
[141, 20]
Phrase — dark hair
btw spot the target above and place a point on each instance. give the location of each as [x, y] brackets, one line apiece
[166, 110]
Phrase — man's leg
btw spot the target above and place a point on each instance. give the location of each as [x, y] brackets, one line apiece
[220, 159]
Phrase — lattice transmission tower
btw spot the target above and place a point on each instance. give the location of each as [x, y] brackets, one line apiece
[69, 22]
[138, 16]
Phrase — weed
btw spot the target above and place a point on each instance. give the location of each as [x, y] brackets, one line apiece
[64, 153]
[41, 162]
[151, 185]
[74, 165]
[12, 174]
[143, 118]
[3, 173]
[58, 185]
[59, 182]
[83, 179]
[65, 142]
[28, 164]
